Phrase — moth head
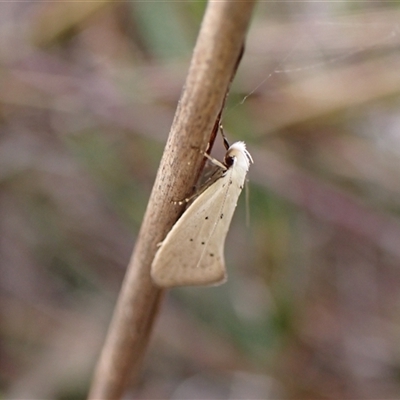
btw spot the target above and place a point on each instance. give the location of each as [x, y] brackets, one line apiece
[238, 155]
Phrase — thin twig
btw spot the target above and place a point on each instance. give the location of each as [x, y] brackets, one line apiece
[217, 49]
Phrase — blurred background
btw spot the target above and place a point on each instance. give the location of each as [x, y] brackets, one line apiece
[311, 309]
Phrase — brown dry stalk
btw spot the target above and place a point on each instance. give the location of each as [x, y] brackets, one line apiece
[218, 46]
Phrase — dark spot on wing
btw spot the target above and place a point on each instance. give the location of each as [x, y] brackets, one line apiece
[221, 216]
[203, 243]
[211, 254]
[206, 218]
[191, 239]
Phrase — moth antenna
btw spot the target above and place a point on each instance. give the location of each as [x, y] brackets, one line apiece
[247, 198]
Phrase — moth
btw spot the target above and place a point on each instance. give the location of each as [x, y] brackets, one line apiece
[192, 253]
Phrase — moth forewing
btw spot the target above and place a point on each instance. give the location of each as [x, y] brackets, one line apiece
[182, 259]
[192, 253]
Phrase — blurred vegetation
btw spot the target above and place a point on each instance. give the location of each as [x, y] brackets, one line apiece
[312, 305]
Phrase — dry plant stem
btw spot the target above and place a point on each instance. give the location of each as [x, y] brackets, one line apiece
[218, 46]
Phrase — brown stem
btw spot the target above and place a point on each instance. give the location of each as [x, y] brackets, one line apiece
[218, 47]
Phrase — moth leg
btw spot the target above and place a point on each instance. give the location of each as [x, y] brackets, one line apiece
[186, 200]
[215, 161]
[226, 143]
[215, 176]
[218, 173]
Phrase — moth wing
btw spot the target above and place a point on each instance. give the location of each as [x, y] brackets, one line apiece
[193, 251]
